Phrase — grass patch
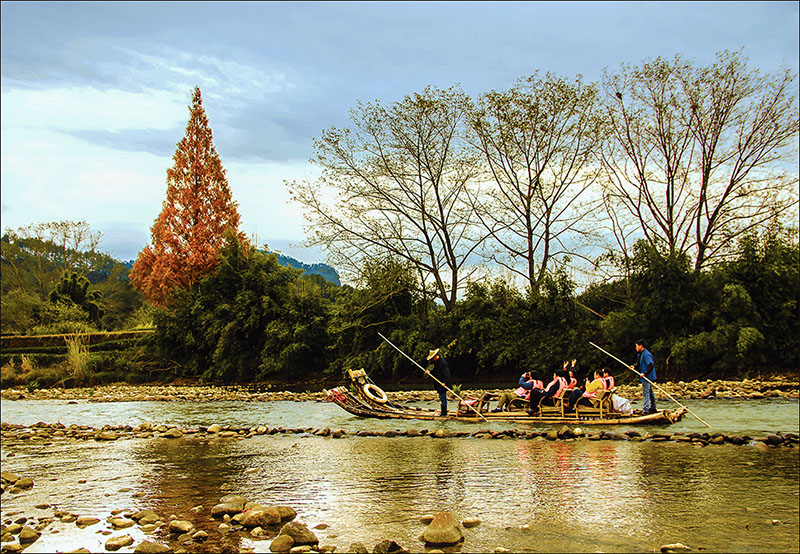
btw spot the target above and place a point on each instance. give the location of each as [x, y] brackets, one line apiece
[78, 359]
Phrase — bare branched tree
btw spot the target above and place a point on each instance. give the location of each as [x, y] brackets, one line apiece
[539, 140]
[395, 185]
[700, 155]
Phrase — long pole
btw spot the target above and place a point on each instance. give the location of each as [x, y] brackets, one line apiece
[428, 373]
[652, 383]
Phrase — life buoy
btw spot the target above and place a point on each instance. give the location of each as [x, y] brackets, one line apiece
[375, 393]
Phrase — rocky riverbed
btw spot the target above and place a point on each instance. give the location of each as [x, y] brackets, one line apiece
[776, 387]
[52, 433]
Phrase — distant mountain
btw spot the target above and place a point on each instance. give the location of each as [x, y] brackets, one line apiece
[327, 272]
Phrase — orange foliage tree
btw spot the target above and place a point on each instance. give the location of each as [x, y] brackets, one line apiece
[199, 208]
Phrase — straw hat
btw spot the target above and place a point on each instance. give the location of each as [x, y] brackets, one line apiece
[432, 353]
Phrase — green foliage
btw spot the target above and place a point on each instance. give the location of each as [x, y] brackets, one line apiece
[388, 302]
[74, 289]
[249, 319]
[20, 311]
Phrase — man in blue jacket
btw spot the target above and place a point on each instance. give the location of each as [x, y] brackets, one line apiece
[647, 374]
[442, 372]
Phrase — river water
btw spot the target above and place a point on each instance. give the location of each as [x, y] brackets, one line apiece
[530, 495]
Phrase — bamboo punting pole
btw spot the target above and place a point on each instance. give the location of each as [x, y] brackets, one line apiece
[652, 383]
[428, 373]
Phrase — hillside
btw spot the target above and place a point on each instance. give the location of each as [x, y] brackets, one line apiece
[324, 270]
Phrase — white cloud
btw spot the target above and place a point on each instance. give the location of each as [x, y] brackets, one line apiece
[50, 176]
[88, 108]
[264, 203]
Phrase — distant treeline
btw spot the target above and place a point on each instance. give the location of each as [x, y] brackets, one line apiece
[254, 320]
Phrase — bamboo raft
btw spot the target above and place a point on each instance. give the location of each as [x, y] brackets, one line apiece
[370, 401]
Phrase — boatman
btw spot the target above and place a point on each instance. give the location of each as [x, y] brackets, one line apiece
[646, 367]
[442, 373]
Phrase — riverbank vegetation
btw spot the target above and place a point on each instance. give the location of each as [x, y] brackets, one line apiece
[509, 230]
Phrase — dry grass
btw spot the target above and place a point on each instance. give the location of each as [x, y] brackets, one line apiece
[78, 357]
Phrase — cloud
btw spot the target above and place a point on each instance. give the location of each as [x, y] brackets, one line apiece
[88, 108]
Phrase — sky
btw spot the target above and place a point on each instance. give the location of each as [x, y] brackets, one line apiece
[96, 95]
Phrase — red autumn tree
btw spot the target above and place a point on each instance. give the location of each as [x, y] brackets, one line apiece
[199, 208]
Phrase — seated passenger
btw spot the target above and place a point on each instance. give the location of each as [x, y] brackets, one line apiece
[608, 378]
[528, 381]
[584, 396]
[554, 388]
[572, 370]
[622, 405]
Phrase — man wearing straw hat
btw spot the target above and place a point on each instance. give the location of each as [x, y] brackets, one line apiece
[442, 373]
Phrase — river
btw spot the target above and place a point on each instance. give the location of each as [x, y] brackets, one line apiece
[530, 495]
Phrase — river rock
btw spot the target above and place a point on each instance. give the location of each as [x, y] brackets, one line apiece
[388, 547]
[147, 547]
[443, 530]
[121, 523]
[28, 535]
[300, 533]
[226, 508]
[13, 547]
[287, 513]
[86, 521]
[471, 522]
[149, 519]
[234, 498]
[106, 436]
[260, 518]
[173, 433]
[565, 433]
[426, 519]
[357, 548]
[27, 483]
[282, 543]
[677, 547]
[9, 477]
[115, 543]
[215, 428]
[179, 527]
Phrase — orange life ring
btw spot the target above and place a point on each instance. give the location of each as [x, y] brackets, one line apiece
[375, 393]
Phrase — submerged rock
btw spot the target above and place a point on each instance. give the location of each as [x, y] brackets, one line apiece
[677, 547]
[444, 529]
[471, 522]
[300, 533]
[388, 547]
[115, 543]
[282, 543]
[147, 547]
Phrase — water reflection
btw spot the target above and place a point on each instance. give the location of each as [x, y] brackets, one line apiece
[574, 496]
[754, 417]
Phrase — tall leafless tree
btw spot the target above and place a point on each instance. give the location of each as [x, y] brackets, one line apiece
[699, 155]
[395, 185]
[538, 139]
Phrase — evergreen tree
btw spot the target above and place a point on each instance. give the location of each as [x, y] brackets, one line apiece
[199, 207]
